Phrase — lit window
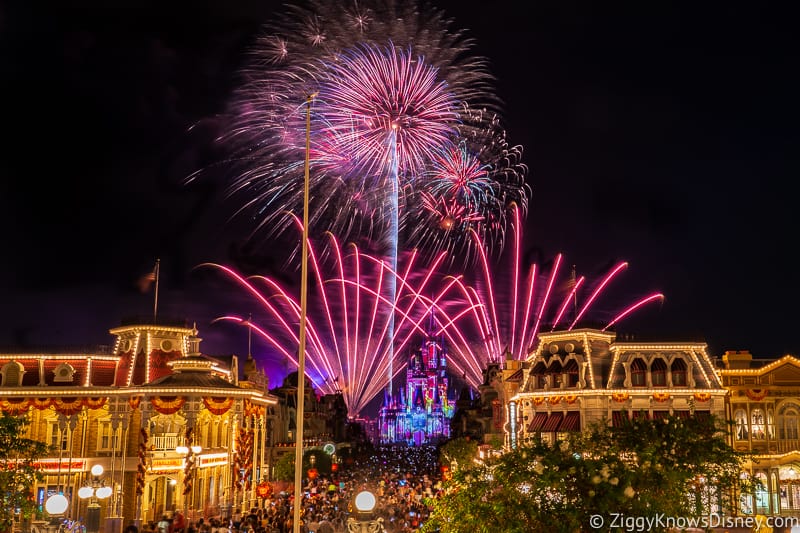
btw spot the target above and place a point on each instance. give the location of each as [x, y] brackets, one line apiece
[638, 373]
[658, 373]
[678, 369]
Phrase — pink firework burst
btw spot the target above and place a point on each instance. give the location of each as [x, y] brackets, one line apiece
[535, 301]
[372, 94]
[350, 345]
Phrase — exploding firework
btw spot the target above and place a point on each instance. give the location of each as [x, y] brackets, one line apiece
[537, 301]
[350, 345]
[399, 101]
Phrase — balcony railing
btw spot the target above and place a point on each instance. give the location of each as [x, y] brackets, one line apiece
[163, 443]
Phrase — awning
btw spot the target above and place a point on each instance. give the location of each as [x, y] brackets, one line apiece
[538, 422]
[658, 415]
[572, 422]
[618, 418]
[552, 422]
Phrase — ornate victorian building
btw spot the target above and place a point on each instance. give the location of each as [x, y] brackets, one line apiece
[765, 409]
[171, 427]
[578, 377]
[421, 410]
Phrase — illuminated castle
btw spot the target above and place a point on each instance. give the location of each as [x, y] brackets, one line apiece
[420, 412]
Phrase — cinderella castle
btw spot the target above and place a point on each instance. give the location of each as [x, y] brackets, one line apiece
[420, 412]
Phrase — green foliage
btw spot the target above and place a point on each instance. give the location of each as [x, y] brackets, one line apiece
[284, 467]
[19, 470]
[458, 453]
[671, 467]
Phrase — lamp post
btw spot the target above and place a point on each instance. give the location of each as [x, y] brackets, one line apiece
[364, 520]
[190, 454]
[94, 491]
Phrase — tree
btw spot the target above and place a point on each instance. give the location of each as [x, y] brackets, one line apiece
[19, 470]
[458, 453]
[671, 467]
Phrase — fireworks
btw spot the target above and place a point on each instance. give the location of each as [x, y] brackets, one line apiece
[393, 83]
[541, 299]
[350, 346]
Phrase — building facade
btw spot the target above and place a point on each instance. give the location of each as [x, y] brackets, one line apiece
[172, 428]
[764, 406]
[583, 376]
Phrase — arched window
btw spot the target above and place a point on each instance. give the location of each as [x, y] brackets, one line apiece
[742, 431]
[638, 373]
[12, 374]
[788, 422]
[658, 372]
[678, 369]
[770, 424]
[757, 424]
[571, 369]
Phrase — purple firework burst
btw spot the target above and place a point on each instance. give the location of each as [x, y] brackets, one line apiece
[385, 73]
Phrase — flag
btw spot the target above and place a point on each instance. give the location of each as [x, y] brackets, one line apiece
[146, 281]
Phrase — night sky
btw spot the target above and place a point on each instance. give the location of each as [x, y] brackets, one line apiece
[664, 134]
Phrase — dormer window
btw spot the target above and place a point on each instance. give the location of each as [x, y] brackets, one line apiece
[12, 373]
[658, 372]
[678, 369]
[63, 373]
[638, 373]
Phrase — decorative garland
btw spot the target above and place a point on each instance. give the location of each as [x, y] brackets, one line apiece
[702, 396]
[756, 394]
[554, 400]
[538, 400]
[620, 397]
[15, 406]
[217, 406]
[188, 468]
[571, 398]
[243, 459]
[141, 468]
[253, 410]
[66, 405]
[661, 397]
[167, 405]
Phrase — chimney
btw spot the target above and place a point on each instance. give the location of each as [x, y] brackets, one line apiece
[737, 359]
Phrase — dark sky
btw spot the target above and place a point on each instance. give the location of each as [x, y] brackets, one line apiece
[664, 134]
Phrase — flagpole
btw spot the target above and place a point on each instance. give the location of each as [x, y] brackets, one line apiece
[155, 299]
[301, 355]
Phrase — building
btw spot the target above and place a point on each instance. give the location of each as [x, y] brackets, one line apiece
[583, 376]
[764, 406]
[172, 428]
[420, 412]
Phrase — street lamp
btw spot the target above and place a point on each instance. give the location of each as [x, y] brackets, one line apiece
[364, 521]
[190, 454]
[94, 491]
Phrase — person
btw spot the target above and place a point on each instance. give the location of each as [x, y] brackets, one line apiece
[163, 525]
[178, 523]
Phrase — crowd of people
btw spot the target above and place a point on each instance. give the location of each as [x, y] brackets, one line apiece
[403, 479]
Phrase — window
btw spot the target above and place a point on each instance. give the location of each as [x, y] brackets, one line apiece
[678, 369]
[56, 436]
[638, 373]
[742, 432]
[571, 369]
[658, 372]
[12, 374]
[757, 424]
[539, 374]
[554, 371]
[107, 438]
[787, 422]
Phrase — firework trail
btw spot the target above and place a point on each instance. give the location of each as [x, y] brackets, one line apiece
[349, 349]
[538, 300]
[388, 76]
